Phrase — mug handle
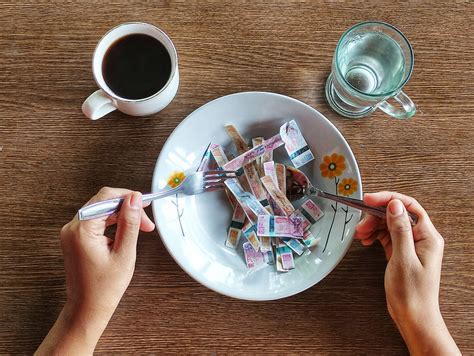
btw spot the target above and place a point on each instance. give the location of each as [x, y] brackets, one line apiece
[97, 105]
[408, 107]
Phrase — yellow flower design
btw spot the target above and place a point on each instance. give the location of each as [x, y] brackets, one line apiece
[333, 165]
[176, 178]
[347, 187]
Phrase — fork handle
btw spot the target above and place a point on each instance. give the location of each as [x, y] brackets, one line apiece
[381, 212]
[111, 206]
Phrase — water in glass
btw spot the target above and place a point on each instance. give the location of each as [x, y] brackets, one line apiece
[372, 62]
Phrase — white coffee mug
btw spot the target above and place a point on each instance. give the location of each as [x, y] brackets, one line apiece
[104, 100]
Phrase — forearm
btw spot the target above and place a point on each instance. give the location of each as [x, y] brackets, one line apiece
[428, 336]
[75, 332]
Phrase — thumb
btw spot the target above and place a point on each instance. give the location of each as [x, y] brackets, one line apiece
[128, 224]
[398, 223]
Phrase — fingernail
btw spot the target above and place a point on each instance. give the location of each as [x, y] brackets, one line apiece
[396, 207]
[136, 201]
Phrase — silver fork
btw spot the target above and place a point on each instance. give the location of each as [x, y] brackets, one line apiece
[355, 203]
[195, 183]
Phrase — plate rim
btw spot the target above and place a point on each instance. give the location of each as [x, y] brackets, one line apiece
[196, 276]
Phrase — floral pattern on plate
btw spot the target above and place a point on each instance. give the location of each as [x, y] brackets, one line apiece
[173, 181]
[332, 167]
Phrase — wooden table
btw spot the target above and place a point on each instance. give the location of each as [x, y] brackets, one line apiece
[52, 160]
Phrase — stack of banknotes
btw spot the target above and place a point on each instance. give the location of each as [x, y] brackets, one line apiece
[267, 225]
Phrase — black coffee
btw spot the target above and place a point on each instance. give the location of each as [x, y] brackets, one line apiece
[136, 66]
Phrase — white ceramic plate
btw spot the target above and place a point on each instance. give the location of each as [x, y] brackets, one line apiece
[201, 251]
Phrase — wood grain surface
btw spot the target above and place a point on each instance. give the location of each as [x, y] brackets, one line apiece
[52, 160]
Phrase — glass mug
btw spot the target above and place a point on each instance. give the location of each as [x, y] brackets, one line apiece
[371, 64]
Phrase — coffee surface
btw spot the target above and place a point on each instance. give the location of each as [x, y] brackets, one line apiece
[136, 66]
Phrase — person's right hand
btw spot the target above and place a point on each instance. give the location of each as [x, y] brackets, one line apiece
[413, 272]
[98, 271]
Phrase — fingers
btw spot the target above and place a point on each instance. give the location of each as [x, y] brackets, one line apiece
[368, 228]
[108, 193]
[369, 224]
[96, 227]
[430, 252]
[424, 229]
[381, 234]
[399, 238]
[384, 238]
[398, 223]
[146, 224]
[383, 198]
[386, 242]
[387, 246]
[128, 224]
[369, 241]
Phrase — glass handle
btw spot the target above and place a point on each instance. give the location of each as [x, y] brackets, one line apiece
[407, 110]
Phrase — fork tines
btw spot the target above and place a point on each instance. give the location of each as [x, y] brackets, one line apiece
[219, 174]
[214, 179]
